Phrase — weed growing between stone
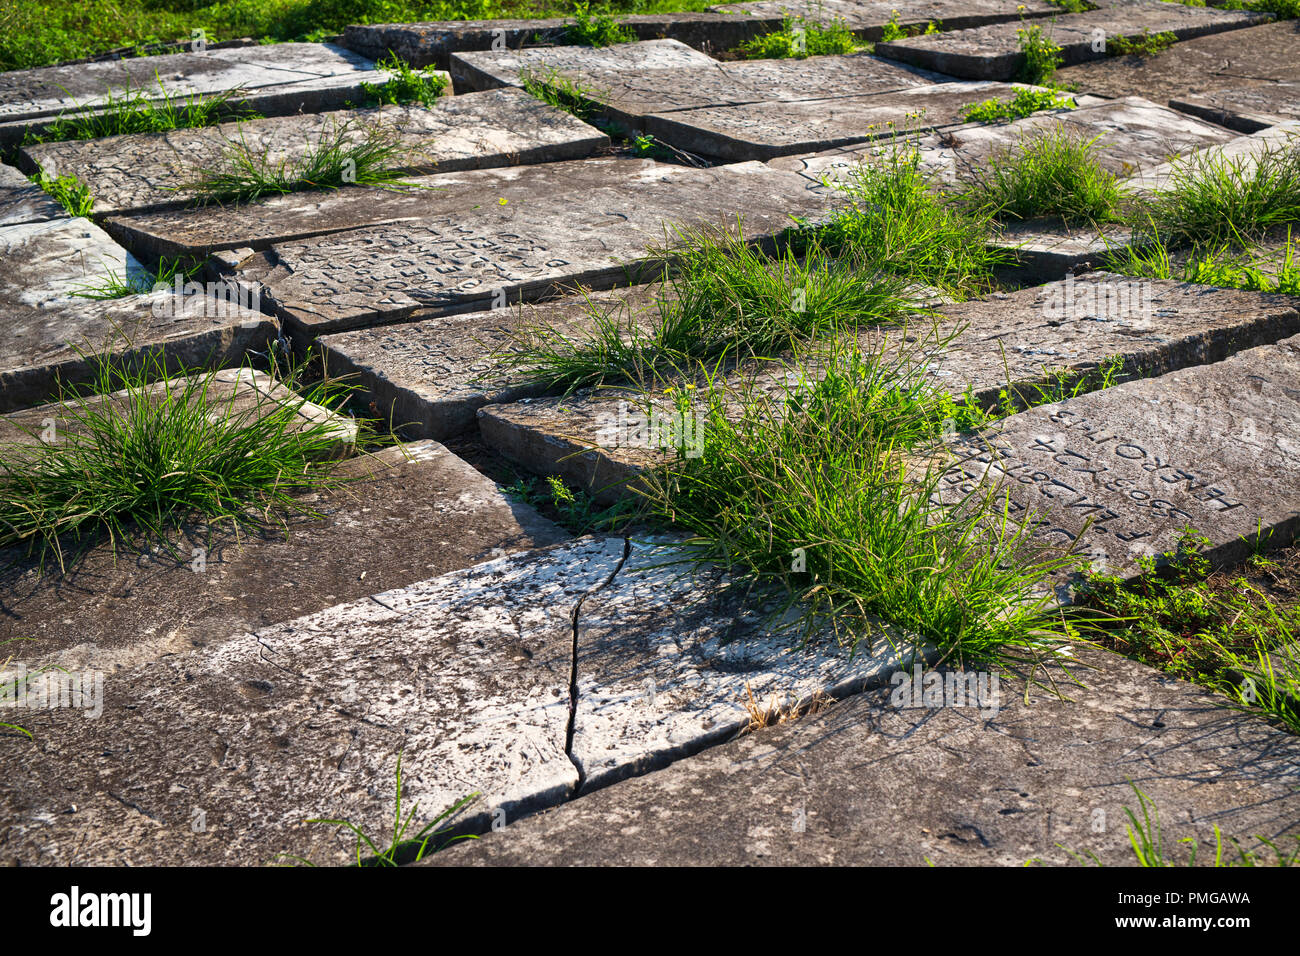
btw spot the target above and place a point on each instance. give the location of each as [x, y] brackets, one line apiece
[1147, 840]
[563, 92]
[798, 39]
[344, 156]
[1041, 56]
[1228, 266]
[1028, 100]
[822, 489]
[405, 84]
[153, 457]
[1050, 173]
[114, 286]
[724, 301]
[401, 849]
[141, 111]
[1148, 44]
[596, 29]
[892, 30]
[1221, 630]
[573, 510]
[68, 191]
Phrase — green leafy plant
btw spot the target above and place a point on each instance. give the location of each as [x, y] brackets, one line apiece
[798, 39]
[68, 191]
[561, 91]
[146, 457]
[1040, 56]
[596, 29]
[401, 848]
[1148, 44]
[344, 155]
[892, 30]
[1048, 173]
[1027, 100]
[116, 286]
[405, 85]
[575, 511]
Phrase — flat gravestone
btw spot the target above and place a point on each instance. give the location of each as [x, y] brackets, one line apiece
[469, 258]
[878, 781]
[212, 229]
[51, 333]
[428, 378]
[993, 52]
[628, 96]
[155, 170]
[602, 440]
[868, 19]
[1120, 474]
[421, 44]
[765, 130]
[485, 70]
[402, 515]
[1246, 108]
[22, 201]
[27, 94]
[1241, 152]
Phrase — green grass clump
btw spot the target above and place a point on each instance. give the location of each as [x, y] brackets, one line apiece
[799, 39]
[724, 301]
[1028, 100]
[892, 30]
[140, 111]
[1148, 44]
[575, 511]
[896, 219]
[1212, 199]
[1282, 9]
[810, 490]
[405, 85]
[596, 29]
[1052, 173]
[1041, 56]
[153, 458]
[339, 158]
[115, 286]
[1226, 266]
[563, 92]
[68, 191]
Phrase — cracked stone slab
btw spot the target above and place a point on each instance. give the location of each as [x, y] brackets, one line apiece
[869, 783]
[867, 19]
[1247, 108]
[600, 441]
[428, 378]
[467, 259]
[488, 69]
[466, 676]
[403, 515]
[235, 233]
[779, 128]
[627, 96]
[148, 171]
[1260, 53]
[668, 655]
[45, 91]
[993, 52]
[22, 201]
[50, 332]
[1120, 473]
[421, 44]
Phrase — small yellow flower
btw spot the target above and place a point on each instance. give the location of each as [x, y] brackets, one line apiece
[503, 200]
[690, 388]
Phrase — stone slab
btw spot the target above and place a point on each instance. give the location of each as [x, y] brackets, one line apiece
[149, 171]
[307, 96]
[466, 676]
[233, 234]
[422, 44]
[1120, 473]
[1006, 340]
[993, 52]
[627, 96]
[1244, 151]
[486, 70]
[22, 201]
[1264, 53]
[428, 378]
[764, 130]
[50, 334]
[45, 91]
[1245, 108]
[867, 19]
[467, 259]
[406, 514]
[867, 783]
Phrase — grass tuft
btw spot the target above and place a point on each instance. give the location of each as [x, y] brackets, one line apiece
[1028, 100]
[1148, 44]
[405, 85]
[561, 91]
[138, 111]
[596, 29]
[68, 191]
[798, 39]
